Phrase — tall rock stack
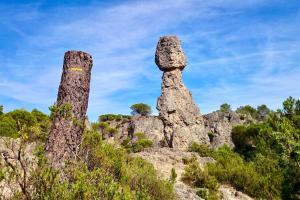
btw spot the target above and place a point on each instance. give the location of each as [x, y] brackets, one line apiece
[70, 109]
[181, 117]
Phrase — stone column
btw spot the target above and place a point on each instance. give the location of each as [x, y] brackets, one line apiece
[182, 120]
[70, 109]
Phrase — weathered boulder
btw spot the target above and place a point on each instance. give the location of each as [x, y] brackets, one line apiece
[219, 125]
[169, 54]
[151, 126]
[230, 193]
[181, 117]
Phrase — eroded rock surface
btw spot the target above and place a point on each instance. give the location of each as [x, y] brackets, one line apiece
[67, 127]
[229, 193]
[164, 159]
[181, 117]
[219, 125]
[151, 126]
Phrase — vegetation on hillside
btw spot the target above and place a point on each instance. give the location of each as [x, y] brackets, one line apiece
[101, 172]
[265, 162]
[32, 125]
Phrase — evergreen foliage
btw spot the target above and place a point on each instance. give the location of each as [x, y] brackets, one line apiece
[265, 162]
[31, 125]
[225, 107]
[141, 109]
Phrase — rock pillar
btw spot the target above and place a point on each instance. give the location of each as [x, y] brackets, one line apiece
[183, 123]
[70, 110]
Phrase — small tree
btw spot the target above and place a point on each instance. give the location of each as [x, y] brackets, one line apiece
[1, 110]
[225, 107]
[141, 109]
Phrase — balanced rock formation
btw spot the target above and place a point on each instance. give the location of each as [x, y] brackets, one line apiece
[70, 109]
[181, 117]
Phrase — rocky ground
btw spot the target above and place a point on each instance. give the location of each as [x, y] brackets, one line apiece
[164, 159]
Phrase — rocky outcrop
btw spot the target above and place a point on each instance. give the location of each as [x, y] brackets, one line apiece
[68, 123]
[164, 159]
[218, 126]
[151, 126]
[229, 193]
[181, 117]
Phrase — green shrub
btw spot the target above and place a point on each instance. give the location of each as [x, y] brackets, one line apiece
[141, 144]
[173, 175]
[138, 143]
[33, 125]
[257, 181]
[202, 149]
[112, 117]
[203, 193]
[200, 178]
[8, 127]
[64, 110]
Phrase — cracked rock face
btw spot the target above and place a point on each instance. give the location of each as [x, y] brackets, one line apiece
[181, 117]
[66, 131]
[169, 54]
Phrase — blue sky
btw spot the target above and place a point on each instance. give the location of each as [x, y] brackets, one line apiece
[240, 52]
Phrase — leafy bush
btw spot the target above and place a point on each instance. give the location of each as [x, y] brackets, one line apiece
[138, 143]
[111, 117]
[197, 177]
[202, 149]
[33, 125]
[64, 110]
[141, 109]
[8, 127]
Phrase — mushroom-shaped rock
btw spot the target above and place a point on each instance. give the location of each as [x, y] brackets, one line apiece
[181, 117]
[169, 54]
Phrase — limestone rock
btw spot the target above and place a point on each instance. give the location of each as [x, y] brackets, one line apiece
[151, 126]
[181, 117]
[169, 54]
[229, 193]
[219, 125]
